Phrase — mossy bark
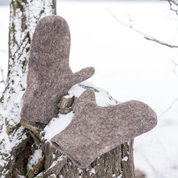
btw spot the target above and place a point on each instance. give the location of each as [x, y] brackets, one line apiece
[20, 137]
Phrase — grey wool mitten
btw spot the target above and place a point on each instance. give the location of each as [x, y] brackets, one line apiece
[95, 130]
[49, 75]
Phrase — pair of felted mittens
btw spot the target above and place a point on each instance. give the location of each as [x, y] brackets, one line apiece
[94, 130]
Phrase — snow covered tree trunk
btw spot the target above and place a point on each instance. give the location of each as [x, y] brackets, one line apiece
[23, 150]
[24, 15]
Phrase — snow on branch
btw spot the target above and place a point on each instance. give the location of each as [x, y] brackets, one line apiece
[160, 42]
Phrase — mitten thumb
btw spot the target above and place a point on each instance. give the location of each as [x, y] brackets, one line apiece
[83, 74]
[87, 96]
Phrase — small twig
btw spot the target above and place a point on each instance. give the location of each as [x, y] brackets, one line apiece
[171, 18]
[145, 35]
[130, 26]
[130, 21]
[17, 171]
[173, 36]
[175, 67]
[160, 42]
[151, 165]
[171, 3]
[168, 108]
[27, 172]
[2, 81]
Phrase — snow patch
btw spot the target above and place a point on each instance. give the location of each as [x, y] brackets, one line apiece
[93, 171]
[119, 176]
[35, 158]
[125, 158]
[56, 125]
[102, 96]
[40, 174]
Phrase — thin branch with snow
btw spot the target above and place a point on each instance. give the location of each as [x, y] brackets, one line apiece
[160, 42]
[145, 35]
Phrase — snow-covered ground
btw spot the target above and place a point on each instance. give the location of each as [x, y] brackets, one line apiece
[127, 66]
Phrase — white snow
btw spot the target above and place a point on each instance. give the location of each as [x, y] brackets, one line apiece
[80, 171]
[40, 174]
[56, 125]
[127, 66]
[92, 171]
[125, 158]
[102, 98]
[119, 176]
[11, 106]
[1, 161]
[53, 176]
[35, 158]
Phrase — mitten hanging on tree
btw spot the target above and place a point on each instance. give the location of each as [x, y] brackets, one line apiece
[96, 130]
[49, 75]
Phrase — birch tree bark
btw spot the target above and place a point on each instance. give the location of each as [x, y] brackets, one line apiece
[19, 142]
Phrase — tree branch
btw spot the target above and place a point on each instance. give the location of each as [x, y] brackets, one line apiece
[160, 42]
[145, 35]
[151, 39]
[175, 64]
[168, 108]
[2, 81]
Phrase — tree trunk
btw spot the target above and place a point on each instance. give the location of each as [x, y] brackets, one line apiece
[20, 141]
[15, 139]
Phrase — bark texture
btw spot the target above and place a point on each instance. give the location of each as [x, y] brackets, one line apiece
[24, 15]
[20, 141]
[116, 163]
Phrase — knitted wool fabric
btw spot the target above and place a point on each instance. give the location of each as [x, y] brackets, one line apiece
[96, 130]
[49, 75]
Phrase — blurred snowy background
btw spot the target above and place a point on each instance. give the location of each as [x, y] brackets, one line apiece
[127, 66]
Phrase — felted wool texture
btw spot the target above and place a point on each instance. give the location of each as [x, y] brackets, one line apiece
[95, 130]
[49, 75]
